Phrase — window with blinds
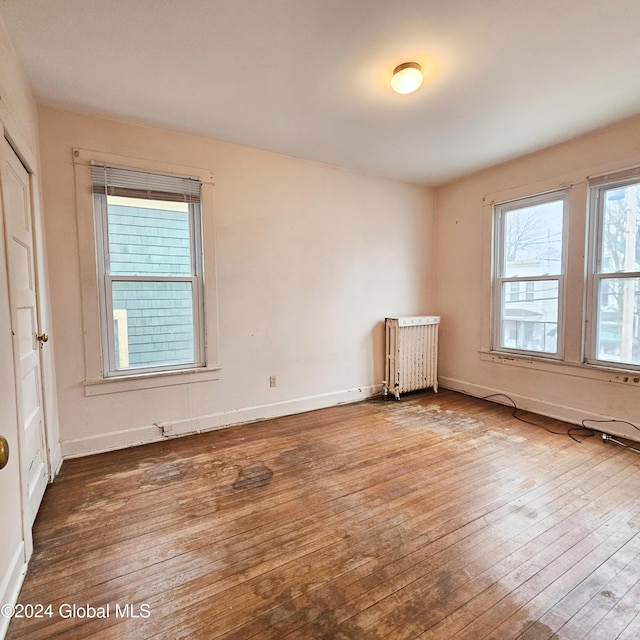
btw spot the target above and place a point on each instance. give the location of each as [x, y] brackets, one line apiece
[149, 252]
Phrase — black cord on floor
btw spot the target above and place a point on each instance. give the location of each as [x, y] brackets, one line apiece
[612, 421]
[582, 431]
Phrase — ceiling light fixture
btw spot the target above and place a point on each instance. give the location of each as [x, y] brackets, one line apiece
[407, 77]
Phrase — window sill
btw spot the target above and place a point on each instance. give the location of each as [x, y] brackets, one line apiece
[102, 386]
[576, 369]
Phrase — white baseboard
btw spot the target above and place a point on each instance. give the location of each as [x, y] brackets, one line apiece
[55, 462]
[266, 411]
[567, 413]
[11, 584]
[152, 433]
[110, 441]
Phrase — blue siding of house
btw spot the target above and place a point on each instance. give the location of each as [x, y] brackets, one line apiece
[159, 314]
[148, 241]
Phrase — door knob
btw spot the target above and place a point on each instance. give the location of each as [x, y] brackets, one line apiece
[4, 452]
[43, 338]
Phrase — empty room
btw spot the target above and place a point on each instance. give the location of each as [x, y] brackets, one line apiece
[319, 320]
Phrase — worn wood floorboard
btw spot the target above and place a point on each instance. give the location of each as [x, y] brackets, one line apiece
[439, 516]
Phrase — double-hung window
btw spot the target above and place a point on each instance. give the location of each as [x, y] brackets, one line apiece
[528, 282]
[614, 336]
[149, 255]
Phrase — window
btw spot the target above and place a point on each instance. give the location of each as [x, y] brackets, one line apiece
[614, 337]
[528, 281]
[530, 291]
[149, 255]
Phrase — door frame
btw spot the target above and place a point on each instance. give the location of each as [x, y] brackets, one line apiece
[29, 160]
[22, 138]
[32, 487]
[52, 450]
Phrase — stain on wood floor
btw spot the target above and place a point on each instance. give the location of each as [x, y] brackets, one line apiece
[436, 517]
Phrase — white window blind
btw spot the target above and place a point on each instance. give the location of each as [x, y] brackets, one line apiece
[130, 183]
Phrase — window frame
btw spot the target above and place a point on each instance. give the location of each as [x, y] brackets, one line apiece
[90, 342]
[597, 186]
[106, 280]
[499, 211]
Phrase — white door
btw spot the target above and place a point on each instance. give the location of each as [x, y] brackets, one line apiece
[12, 548]
[16, 200]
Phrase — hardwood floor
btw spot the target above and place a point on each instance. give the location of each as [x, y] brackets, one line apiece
[439, 516]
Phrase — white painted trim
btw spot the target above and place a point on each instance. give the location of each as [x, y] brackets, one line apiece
[564, 367]
[153, 433]
[11, 584]
[134, 382]
[265, 411]
[55, 462]
[500, 210]
[554, 410]
[85, 219]
[110, 441]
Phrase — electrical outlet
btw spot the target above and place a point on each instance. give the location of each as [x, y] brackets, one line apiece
[273, 382]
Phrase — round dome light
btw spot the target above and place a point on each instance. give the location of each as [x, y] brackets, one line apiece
[407, 77]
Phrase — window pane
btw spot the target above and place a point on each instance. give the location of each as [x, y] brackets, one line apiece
[617, 324]
[531, 323]
[148, 237]
[153, 323]
[532, 240]
[620, 239]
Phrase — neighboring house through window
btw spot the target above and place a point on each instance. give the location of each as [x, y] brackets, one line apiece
[613, 338]
[149, 256]
[529, 270]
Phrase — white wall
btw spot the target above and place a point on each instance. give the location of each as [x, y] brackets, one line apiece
[463, 239]
[310, 259]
